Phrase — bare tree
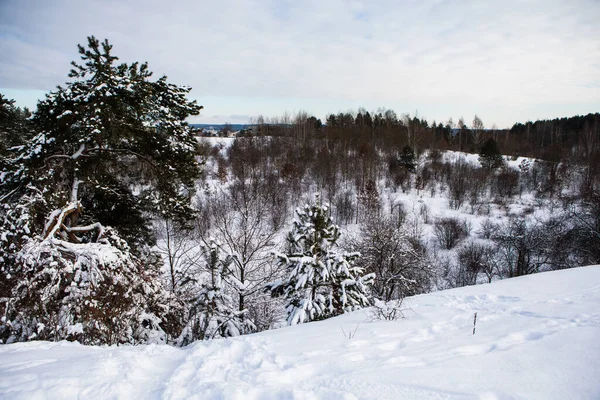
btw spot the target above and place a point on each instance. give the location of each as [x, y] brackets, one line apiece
[242, 222]
[477, 258]
[477, 130]
[506, 184]
[587, 230]
[523, 247]
[458, 183]
[462, 128]
[227, 130]
[398, 260]
[178, 250]
[589, 156]
[449, 231]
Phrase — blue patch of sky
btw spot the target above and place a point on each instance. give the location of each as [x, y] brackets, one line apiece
[281, 9]
[24, 97]
[362, 16]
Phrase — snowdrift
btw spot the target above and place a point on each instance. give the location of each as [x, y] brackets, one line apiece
[537, 337]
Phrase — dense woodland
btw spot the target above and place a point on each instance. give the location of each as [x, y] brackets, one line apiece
[121, 225]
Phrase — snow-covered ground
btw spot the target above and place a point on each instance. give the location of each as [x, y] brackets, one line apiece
[537, 337]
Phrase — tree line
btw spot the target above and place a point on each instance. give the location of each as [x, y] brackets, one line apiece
[575, 138]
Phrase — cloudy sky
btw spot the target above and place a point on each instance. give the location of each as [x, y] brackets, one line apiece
[505, 61]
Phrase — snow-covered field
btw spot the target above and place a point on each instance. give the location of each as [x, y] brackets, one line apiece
[537, 337]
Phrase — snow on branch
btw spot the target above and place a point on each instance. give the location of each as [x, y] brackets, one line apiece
[57, 218]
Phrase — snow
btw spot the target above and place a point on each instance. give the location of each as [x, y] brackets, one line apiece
[473, 159]
[64, 114]
[217, 141]
[536, 338]
[79, 152]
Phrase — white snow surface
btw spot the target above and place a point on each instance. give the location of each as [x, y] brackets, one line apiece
[537, 337]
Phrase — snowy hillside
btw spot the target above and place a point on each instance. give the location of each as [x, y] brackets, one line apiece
[536, 338]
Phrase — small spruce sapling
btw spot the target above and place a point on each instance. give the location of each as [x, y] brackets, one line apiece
[320, 282]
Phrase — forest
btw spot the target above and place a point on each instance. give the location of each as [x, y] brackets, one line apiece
[120, 224]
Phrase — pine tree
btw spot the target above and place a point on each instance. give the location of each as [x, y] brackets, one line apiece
[489, 155]
[94, 293]
[15, 128]
[113, 149]
[114, 142]
[408, 158]
[320, 282]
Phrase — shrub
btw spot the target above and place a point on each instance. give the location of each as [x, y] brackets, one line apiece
[390, 311]
[449, 232]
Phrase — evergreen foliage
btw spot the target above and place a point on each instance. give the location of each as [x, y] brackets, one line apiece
[213, 313]
[113, 149]
[95, 293]
[490, 156]
[15, 128]
[408, 158]
[115, 140]
[320, 282]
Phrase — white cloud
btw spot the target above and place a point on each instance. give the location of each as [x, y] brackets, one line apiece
[435, 54]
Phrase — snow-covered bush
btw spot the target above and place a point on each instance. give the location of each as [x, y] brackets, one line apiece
[320, 282]
[94, 293]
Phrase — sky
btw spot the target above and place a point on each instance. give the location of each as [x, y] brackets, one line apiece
[505, 61]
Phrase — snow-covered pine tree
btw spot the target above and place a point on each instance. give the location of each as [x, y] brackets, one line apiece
[113, 149]
[15, 128]
[52, 289]
[320, 282]
[213, 313]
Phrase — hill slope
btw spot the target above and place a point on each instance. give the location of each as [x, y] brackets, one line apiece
[536, 338]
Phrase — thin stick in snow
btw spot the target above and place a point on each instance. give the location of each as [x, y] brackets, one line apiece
[474, 322]
[350, 334]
